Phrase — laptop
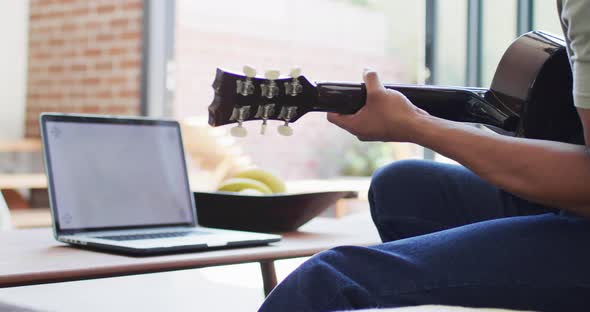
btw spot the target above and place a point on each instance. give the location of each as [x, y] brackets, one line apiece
[120, 184]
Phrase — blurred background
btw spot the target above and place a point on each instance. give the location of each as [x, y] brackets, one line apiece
[157, 58]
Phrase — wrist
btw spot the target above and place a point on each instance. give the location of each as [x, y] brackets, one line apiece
[421, 128]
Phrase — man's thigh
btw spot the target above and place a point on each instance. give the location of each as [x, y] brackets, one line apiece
[534, 262]
[415, 197]
[537, 262]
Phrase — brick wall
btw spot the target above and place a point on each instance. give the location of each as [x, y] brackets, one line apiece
[84, 56]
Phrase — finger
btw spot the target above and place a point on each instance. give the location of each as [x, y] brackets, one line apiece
[337, 119]
[372, 81]
[333, 117]
[346, 122]
[363, 138]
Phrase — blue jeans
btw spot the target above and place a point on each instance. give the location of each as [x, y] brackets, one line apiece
[449, 238]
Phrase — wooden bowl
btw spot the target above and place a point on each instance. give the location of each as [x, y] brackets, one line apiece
[262, 213]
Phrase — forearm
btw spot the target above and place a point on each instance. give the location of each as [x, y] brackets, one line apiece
[551, 173]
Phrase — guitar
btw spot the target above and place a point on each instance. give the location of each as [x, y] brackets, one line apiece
[530, 95]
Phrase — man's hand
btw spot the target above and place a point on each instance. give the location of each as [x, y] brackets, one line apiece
[387, 115]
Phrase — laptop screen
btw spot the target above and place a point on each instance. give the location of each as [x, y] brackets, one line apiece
[110, 175]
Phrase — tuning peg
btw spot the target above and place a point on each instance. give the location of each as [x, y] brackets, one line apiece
[295, 72]
[285, 130]
[238, 131]
[249, 71]
[263, 127]
[272, 74]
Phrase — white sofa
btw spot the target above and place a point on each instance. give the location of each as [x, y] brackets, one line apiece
[439, 308]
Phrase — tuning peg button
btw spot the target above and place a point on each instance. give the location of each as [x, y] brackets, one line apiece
[238, 131]
[249, 71]
[295, 72]
[272, 74]
[285, 130]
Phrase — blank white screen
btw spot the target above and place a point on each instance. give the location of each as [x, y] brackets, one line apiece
[112, 175]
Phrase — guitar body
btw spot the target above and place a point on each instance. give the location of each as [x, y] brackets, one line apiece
[534, 79]
[530, 95]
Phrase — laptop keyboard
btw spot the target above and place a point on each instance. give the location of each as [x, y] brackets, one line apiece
[152, 235]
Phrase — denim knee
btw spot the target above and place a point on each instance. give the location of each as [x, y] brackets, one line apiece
[406, 199]
[389, 191]
[322, 283]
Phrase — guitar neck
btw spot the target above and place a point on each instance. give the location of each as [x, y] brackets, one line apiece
[471, 105]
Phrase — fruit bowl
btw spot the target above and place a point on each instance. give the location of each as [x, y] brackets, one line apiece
[263, 213]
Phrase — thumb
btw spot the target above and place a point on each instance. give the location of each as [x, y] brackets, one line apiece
[372, 81]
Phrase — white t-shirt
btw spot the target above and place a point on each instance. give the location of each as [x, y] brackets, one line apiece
[575, 20]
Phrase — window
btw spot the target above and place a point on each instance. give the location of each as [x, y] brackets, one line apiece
[499, 29]
[545, 17]
[461, 42]
[332, 40]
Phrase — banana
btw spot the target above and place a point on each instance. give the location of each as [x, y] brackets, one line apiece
[273, 182]
[239, 184]
[250, 191]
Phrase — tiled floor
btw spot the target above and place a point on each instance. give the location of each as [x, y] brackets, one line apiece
[224, 288]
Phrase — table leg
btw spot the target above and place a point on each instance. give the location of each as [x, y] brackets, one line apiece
[269, 276]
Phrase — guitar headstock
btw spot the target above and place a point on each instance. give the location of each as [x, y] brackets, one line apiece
[245, 96]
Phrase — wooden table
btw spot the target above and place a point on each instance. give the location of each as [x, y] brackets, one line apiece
[33, 257]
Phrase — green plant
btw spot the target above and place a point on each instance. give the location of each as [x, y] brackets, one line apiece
[362, 159]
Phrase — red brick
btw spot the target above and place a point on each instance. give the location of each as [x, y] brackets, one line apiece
[44, 30]
[54, 15]
[42, 55]
[106, 94]
[99, 40]
[77, 95]
[91, 109]
[35, 17]
[41, 82]
[68, 54]
[104, 66]
[80, 12]
[78, 67]
[54, 96]
[92, 52]
[56, 42]
[34, 44]
[118, 51]
[137, 22]
[116, 80]
[131, 35]
[92, 81]
[56, 69]
[133, 6]
[93, 25]
[107, 8]
[118, 109]
[33, 70]
[105, 37]
[129, 94]
[69, 27]
[33, 96]
[44, 3]
[119, 22]
[67, 82]
[79, 41]
[127, 64]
